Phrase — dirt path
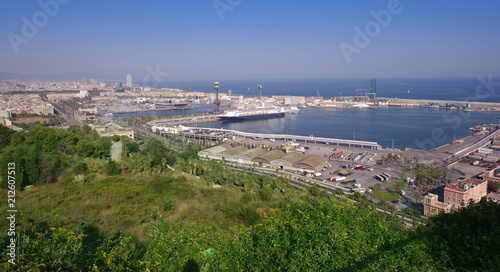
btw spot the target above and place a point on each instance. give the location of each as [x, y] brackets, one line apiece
[116, 151]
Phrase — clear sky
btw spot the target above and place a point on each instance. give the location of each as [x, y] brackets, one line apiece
[256, 39]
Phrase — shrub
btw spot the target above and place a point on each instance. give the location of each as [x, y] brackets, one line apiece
[266, 194]
[166, 204]
[160, 183]
[493, 186]
[80, 168]
[112, 168]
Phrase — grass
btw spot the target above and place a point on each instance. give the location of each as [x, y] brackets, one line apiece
[386, 196]
[395, 186]
[425, 172]
[132, 201]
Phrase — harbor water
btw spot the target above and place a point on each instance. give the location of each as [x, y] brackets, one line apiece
[420, 128]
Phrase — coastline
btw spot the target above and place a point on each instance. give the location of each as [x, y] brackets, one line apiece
[424, 102]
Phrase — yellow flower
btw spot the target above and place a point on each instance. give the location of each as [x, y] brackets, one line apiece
[147, 270]
[95, 267]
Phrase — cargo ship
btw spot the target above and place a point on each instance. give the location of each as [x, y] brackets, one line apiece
[253, 114]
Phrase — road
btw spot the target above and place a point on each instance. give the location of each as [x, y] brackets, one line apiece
[477, 145]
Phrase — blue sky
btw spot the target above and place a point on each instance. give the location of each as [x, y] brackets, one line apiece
[255, 40]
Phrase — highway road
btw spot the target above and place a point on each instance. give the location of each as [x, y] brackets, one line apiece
[475, 146]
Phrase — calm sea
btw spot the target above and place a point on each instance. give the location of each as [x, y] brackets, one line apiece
[407, 127]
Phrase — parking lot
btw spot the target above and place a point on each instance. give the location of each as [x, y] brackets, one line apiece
[341, 158]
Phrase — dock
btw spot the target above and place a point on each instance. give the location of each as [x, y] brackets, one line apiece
[184, 120]
[424, 102]
[219, 134]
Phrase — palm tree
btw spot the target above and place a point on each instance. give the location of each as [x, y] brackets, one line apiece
[393, 210]
[402, 175]
[377, 187]
[417, 197]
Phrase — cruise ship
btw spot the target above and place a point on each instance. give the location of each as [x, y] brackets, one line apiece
[252, 114]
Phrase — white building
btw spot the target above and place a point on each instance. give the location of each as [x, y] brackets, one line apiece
[129, 81]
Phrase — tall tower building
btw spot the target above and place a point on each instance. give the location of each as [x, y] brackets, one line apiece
[217, 103]
[373, 85]
[129, 81]
[259, 94]
[373, 89]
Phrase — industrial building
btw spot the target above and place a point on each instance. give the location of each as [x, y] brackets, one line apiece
[112, 129]
[210, 153]
[262, 157]
[288, 160]
[227, 155]
[268, 157]
[312, 163]
[249, 155]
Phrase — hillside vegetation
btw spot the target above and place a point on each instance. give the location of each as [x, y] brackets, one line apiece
[158, 210]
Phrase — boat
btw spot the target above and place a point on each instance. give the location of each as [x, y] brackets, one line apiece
[252, 114]
[291, 110]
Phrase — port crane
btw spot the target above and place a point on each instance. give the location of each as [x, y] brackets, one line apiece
[320, 97]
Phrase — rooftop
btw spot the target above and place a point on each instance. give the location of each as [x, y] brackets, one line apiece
[465, 185]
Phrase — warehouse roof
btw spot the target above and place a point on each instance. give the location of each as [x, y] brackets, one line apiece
[290, 157]
[233, 151]
[250, 154]
[312, 162]
[211, 151]
[270, 156]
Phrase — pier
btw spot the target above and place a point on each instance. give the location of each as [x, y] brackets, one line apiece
[184, 120]
[221, 134]
[425, 102]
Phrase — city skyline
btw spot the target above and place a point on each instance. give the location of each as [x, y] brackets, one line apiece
[246, 40]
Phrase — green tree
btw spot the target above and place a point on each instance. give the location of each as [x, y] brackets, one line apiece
[75, 129]
[20, 161]
[112, 168]
[5, 159]
[417, 196]
[47, 170]
[86, 129]
[84, 148]
[80, 168]
[393, 210]
[5, 136]
[132, 146]
[33, 163]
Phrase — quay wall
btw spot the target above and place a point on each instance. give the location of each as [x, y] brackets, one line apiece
[398, 101]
